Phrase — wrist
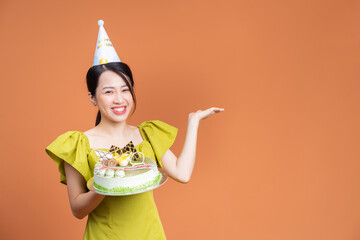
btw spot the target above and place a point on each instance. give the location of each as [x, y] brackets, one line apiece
[193, 121]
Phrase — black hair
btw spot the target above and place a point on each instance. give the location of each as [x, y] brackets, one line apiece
[122, 69]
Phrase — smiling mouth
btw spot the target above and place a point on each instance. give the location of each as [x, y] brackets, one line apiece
[119, 110]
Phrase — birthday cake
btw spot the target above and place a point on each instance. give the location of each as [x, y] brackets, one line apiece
[124, 171]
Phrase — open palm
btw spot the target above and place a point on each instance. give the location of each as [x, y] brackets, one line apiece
[202, 114]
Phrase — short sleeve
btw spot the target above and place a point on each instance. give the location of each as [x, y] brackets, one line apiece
[73, 148]
[160, 135]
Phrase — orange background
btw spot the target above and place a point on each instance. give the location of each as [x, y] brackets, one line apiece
[282, 162]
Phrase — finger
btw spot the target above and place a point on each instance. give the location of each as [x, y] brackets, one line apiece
[208, 112]
[216, 109]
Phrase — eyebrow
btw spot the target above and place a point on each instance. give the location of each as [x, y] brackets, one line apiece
[107, 87]
[114, 87]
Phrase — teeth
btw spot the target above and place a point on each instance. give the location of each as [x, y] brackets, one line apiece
[119, 109]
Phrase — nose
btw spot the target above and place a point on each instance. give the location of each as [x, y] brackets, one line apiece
[118, 98]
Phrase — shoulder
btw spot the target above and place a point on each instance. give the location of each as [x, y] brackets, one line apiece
[67, 143]
[157, 129]
[94, 137]
[154, 124]
[71, 135]
[73, 148]
[160, 135]
[135, 134]
[90, 134]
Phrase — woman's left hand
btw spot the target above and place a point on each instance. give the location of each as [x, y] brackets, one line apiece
[200, 115]
[180, 169]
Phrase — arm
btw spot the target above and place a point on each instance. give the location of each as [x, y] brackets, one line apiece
[180, 169]
[82, 202]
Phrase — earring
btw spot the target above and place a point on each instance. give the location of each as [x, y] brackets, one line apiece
[94, 104]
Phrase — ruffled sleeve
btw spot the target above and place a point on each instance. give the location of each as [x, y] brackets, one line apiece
[160, 135]
[72, 147]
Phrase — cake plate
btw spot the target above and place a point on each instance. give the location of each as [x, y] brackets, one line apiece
[164, 178]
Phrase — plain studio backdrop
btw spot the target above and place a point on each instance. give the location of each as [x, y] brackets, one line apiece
[282, 162]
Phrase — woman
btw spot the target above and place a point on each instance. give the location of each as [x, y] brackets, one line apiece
[110, 88]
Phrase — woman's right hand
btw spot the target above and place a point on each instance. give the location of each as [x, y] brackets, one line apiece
[81, 201]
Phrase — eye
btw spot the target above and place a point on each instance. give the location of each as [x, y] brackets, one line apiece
[126, 90]
[108, 91]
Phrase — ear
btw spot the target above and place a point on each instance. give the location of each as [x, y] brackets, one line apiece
[92, 98]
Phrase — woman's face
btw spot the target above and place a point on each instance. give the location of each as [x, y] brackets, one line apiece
[113, 97]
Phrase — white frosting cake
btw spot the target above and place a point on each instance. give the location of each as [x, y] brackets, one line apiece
[132, 178]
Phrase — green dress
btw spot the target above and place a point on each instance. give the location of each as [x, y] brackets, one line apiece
[117, 217]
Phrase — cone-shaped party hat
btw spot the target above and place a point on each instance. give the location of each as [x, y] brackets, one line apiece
[104, 51]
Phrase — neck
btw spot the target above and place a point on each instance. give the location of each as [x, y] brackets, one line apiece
[112, 129]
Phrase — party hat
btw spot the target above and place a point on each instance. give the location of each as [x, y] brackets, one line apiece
[104, 51]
